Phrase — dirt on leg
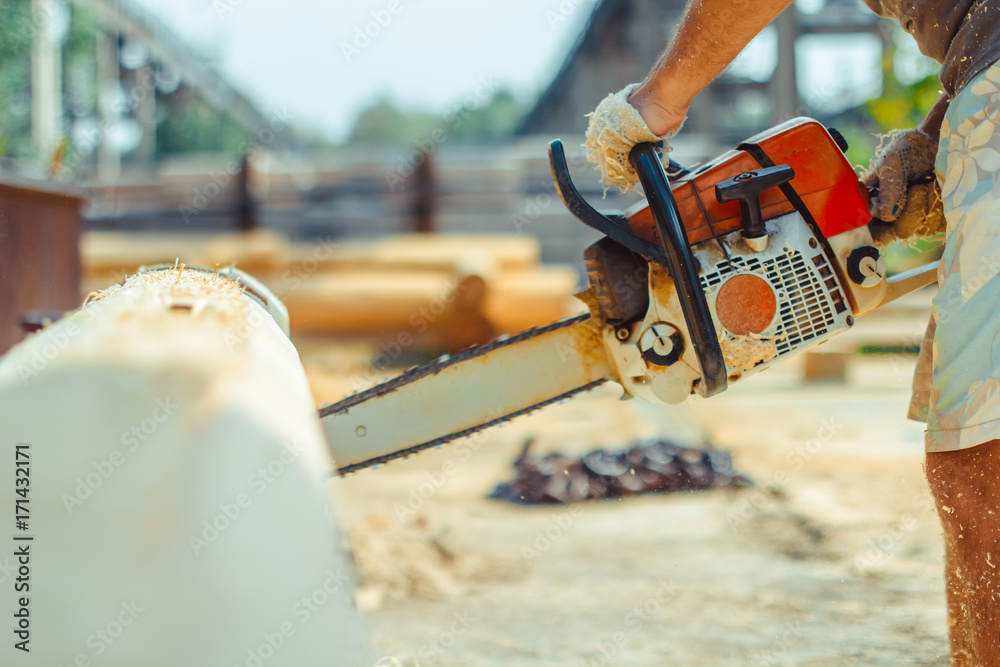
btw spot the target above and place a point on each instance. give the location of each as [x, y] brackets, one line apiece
[966, 489]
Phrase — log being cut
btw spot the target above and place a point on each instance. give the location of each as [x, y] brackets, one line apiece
[175, 509]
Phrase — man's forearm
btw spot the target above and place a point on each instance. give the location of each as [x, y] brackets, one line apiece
[931, 124]
[710, 35]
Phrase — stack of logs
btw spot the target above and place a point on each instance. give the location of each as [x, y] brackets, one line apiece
[648, 467]
[440, 291]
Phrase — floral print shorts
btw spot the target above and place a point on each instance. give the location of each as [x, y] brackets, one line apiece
[957, 382]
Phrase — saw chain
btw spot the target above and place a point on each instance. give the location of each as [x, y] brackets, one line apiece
[385, 389]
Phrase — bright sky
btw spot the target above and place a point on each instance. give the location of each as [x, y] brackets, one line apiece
[307, 55]
[314, 58]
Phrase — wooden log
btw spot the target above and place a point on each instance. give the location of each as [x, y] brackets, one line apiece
[178, 484]
[109, 256]
[268, 255]
[824, 367]
[423, 251]
[522, 299]
[425, 309]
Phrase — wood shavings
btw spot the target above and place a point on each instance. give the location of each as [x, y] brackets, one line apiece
[415, 559]
[745, 352]
[614, 128]
[169, 285]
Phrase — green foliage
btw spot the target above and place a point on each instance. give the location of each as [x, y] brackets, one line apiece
[16, 30]
[80, 59]
[861, 143]
[189, 125]
[185, 123]
[902, 106]
[385, 124]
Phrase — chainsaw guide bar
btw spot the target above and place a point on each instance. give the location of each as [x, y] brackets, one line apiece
[412, 375]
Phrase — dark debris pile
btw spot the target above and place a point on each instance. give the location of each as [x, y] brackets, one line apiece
[643, 467]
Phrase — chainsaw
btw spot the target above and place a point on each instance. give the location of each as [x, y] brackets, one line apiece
[722, 272]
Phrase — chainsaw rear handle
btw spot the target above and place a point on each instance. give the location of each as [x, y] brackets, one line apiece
[682, 266]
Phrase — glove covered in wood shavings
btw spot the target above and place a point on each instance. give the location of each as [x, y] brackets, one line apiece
[922, 215]
[904, 157]
[615, 127]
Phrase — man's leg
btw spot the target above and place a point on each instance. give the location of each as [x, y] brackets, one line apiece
[966, 489]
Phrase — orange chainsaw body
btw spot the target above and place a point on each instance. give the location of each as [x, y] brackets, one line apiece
[824, 179]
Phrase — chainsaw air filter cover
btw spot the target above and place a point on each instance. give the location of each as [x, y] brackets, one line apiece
[745, 304]
[788, 296]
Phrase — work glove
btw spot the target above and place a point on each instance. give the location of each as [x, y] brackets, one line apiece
[615, 127]
[908, 194]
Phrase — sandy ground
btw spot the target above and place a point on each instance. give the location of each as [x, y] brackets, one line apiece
[833, 558]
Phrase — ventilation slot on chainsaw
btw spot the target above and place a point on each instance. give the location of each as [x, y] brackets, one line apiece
[810, 302]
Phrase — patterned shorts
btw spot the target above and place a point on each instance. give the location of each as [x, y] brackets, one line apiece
[956, 388]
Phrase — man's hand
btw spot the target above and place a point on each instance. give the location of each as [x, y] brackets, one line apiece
[905, 158]
[710, 34]
[662, 120]
[615, 127]
[908, 194]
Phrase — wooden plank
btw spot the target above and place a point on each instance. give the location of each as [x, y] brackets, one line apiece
[39, 255]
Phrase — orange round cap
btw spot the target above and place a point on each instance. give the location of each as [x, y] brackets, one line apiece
[746, 304]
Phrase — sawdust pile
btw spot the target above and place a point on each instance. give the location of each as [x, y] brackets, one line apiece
[415, 560]
[745, 352]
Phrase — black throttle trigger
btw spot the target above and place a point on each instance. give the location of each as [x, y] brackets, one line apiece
[747, 188]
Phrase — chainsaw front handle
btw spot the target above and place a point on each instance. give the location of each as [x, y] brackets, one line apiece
[682, 266]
